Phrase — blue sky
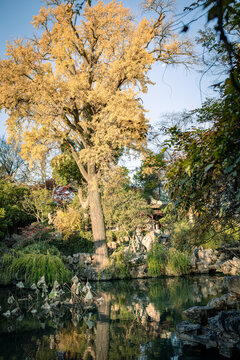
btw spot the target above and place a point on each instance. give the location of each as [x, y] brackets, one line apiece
[176, 88]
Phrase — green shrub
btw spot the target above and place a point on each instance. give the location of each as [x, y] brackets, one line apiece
[177, 262]
[164, 261]
[41, 248]
[81, 241]
[182, 234]
[120, 263]
[156, 260]
[12, 215]
[32, 266]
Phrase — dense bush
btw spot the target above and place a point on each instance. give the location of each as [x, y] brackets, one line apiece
[120, 263]
[184, 234]
[31, 266]
[68, 221]
[81, 241]
[156, 260]
[12, 215]
[177, 262]
[163, 261]
[41, 248]
[124, 208]
[37, 232]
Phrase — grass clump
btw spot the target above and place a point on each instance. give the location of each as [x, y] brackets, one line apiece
[164, 261]
[32, 266]
[177, 262]
[120, 263]
[156, 260]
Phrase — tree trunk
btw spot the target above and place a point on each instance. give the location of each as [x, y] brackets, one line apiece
[97, 220]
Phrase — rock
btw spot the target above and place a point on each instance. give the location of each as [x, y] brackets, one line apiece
[136, 260]
[149, 240]
[188, 327]
[218, 325]
[230, 300]
[233, 284]
[80, 258]
[231, 267]
[203, 261]
[139, 272]
[200, 314]
[217, 303]
[70, 260]
[112, 245]
[95, 274]
[226, 321]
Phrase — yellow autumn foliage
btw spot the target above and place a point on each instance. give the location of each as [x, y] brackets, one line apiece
[68, 221]
[79, 81]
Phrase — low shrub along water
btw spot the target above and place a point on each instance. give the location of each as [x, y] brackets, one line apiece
[164, 261]
[33, 265]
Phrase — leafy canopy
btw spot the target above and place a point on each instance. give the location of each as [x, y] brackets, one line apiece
[78, 82]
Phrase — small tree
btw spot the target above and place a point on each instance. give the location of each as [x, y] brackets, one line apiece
[78, 83]
[124, 207]
[39, 203]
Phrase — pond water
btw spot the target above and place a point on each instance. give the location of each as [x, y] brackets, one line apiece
[136, 320]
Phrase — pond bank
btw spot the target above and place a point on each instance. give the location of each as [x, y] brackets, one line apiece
[201, 261]
[216, 325]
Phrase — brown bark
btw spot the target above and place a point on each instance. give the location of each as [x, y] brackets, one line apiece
[97, 220]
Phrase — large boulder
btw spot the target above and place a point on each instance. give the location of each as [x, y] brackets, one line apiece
[188, 327]
[149, 240]
[200, 314]
[231, 267]
[226, 321]
[226, 301]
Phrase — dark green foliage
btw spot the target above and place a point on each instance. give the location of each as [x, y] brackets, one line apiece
[41, 248]
[65, 169]
[124, 207]
[205, 173]
[31, 266]
[149, 177]
[12, 215]
[120, 263]
[163, 261]
[79, 242]
[156, 260]
[203, 177]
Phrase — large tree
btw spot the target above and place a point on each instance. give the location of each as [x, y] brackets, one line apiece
[78, 83]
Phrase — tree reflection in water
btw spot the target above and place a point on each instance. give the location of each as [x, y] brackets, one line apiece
[133, 320]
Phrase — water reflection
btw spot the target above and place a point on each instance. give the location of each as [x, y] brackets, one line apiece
[133, 320]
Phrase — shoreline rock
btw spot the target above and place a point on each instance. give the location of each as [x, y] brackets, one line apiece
[216, 325]
[204, 261]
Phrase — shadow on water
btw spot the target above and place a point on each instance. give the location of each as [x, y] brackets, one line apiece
[134, 319]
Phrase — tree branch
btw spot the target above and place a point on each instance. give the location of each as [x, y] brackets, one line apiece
[78, 162]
